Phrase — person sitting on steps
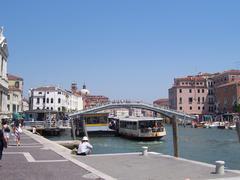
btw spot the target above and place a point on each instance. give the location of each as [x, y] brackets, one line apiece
[84, 147]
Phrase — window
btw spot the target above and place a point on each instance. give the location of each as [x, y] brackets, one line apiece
[203, 108]
[17, 84]
[199, 108]
[59, 92]
[198, 90]
[38, 100]
[180, 100]
[198, 99]
[51, 108]
[190, 100]
[51, 100]
[47, 92]
[202, 90]
[180, 90]
[8, 97]
[190, 90]
[59, 109]
[47, 107]
[8, 107]
[39, 92]
[47, 100]
[43, 100]
[203, 100]
[59, 100]
[180, 108]
[190, 107]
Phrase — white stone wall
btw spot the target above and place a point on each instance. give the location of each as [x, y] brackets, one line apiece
[57, 100]
[3, 76]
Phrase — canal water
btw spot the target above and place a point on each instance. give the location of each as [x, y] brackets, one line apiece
[205, 145]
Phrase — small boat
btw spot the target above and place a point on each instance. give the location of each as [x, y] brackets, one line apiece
[221, 125]
[233, 126]
[141, 128]
[214, 124]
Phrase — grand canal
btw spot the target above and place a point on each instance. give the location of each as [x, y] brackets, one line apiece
[205, 145]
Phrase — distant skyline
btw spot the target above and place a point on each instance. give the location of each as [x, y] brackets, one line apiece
[120, 49]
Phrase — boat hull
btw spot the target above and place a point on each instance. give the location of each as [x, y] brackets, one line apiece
[141, 138]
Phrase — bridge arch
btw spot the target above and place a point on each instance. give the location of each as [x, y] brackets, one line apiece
[139, 105]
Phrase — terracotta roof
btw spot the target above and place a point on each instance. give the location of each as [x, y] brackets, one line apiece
[229, 84]
[160, 101]
[234, 71]
[45, 88]
[13, 77]
[190, 78]
[231, 72]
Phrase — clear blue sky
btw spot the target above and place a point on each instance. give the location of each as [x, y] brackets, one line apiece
[130, 49]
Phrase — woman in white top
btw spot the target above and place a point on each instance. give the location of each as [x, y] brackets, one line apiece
[84, 147]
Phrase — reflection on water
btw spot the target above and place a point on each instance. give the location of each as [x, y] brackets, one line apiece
[206, 145]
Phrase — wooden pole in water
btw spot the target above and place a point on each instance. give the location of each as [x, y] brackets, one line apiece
[238, 129]
[175, 136]
[84, 128]
[73, 129]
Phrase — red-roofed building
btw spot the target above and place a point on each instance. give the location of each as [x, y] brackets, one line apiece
[161, 102]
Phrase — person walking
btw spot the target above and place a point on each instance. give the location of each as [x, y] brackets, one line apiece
[17, 131]
[84, 147]
[6, 131]
[3, 143]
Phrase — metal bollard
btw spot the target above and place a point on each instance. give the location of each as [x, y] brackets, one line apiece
[145, 151]
[219, 167]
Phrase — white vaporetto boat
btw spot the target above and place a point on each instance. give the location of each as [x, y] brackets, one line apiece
[142, 128]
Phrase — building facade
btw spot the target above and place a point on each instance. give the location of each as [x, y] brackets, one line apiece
[206, 93]
[88, 100]
[228, 97]
[25, 105]
[192, 94]
[3, 75]
[15, 94]
[55, 99]
[93, 100]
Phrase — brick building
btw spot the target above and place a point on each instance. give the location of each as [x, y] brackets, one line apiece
[161, 102]
[228, 97]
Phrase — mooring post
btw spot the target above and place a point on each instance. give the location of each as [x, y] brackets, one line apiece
[73, 129]
[84, 127]
[175, 136]
[238, 129]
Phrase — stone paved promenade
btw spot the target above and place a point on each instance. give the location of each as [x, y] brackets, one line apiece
[40, 159]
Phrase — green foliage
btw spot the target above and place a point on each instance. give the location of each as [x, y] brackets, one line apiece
[237, 107]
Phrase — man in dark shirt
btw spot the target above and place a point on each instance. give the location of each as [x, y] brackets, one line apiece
[3, 143]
